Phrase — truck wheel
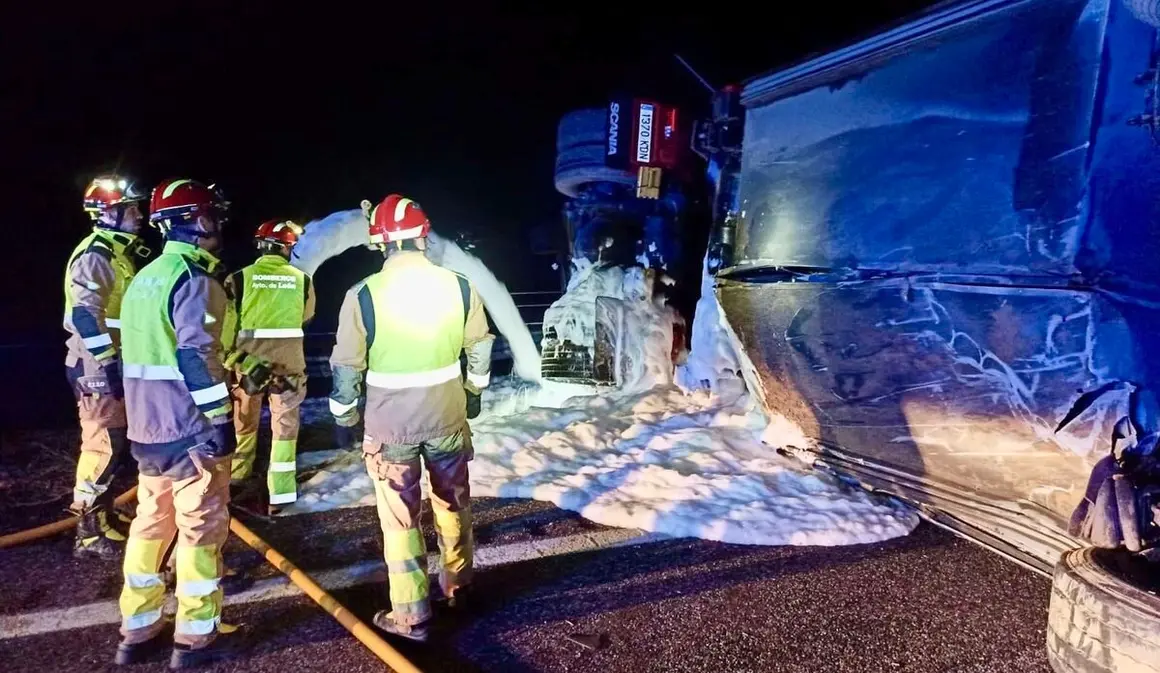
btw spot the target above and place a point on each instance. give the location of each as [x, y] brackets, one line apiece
[581, 127]
[580, 151]
[1104, 615]
[1147, 11]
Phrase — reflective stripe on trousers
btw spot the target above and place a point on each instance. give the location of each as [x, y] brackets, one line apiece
[103, 446]
[194, 511]
[405, 553]
[397, 498]
[281, 478]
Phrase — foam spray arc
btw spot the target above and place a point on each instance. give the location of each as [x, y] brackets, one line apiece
[338, 232]
[496, 299]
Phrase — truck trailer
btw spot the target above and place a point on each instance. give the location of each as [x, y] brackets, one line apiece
[938, 251]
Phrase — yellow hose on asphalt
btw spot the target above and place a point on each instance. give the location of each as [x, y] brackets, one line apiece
[357, 628]
[13, 539]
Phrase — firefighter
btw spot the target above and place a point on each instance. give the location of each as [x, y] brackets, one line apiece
[403, 329]
[178, 405]
[274, 300]
[97, 273]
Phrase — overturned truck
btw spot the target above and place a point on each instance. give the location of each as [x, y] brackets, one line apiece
[939, 251]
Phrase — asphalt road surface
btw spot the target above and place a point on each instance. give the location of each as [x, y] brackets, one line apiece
[929, 602]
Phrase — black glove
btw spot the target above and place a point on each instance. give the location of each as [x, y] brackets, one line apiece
[474, 403]
[112, 372]
[256, 380]
[224, 440]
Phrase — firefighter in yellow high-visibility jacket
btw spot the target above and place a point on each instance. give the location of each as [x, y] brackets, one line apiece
[274, 301]
[175, 322]
[98, 272]
[404, 330]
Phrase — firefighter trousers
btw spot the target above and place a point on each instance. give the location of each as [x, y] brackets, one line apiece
[281, 478]
[396, 470]
[104, 446]
[183, 493]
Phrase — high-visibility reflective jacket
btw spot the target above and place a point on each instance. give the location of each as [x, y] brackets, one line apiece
[171, 324]
[274, 300]
[98, 271]
[403, 329]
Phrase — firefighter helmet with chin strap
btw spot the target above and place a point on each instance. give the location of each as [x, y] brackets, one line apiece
[107, 192]
[281, 234]
[176, 205]
[394, 220]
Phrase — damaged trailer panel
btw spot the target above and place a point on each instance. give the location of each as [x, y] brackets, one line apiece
[946, 262]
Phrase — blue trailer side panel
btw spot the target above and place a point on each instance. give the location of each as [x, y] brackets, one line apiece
[949, 234]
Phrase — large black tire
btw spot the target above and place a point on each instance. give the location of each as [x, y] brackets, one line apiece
[1147, 11]
[1099, 620]
[580, 153]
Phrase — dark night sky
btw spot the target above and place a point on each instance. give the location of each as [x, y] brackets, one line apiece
[300, 113]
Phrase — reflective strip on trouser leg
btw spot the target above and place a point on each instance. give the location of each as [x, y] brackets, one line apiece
[199, 594]
[406, 557]
[97, 460]
[247, 415]
[451, 506]
[144, 592]
[455, 547]
[282, 477]
[92, 463]
[150, 535]
[283, 473]
[203, 521]
[243, 461]
[403, 548]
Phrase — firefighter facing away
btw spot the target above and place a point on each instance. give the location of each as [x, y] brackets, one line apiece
[178, 406]
[98, 271]
[404, 329]
[274, 300]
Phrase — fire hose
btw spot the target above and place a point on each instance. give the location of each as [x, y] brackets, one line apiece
[13, 539]
[357, 628]
[365, 635]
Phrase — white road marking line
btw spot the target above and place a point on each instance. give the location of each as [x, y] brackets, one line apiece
[367, 572]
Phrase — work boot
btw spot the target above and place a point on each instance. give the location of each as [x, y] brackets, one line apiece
[96, 538]
[226, 645]
[386, 622]
[149, 650]
[458, 599]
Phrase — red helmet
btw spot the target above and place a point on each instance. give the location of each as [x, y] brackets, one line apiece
[397, 218]
[279, 232]
[108, 191]
[178, 203]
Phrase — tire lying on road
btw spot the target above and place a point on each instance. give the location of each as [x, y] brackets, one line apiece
[1104, 615]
